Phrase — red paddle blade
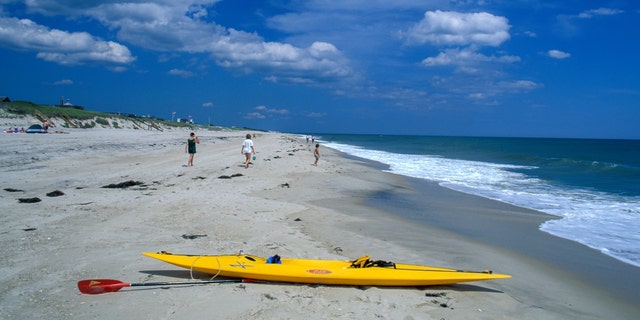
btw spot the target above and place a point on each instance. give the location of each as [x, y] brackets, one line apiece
[98, 286]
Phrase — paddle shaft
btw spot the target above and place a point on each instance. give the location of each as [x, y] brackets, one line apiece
[98, 286]
[149, 284]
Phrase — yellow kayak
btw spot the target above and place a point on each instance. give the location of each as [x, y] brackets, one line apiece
[360, 272]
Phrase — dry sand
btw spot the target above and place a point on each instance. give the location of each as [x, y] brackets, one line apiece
[282, 204]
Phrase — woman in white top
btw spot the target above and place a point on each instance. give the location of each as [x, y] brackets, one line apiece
[247, 150]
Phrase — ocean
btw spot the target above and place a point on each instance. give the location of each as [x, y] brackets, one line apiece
[592, 185]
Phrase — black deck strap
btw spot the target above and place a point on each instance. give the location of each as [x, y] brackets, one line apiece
[384, 264]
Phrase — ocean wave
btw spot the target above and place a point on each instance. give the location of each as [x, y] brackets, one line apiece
[601, 220]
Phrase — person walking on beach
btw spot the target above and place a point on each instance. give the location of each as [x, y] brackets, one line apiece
[316, 154]
[247, 150]
[190, 148]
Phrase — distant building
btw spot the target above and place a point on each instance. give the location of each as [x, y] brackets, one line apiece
[64, 103]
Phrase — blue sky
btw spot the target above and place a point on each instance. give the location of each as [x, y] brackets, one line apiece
[481, 68]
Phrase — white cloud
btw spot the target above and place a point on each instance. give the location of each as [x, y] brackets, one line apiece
[208, 104]
[316, 114]
[557, 54]
[453, 28]
[599, 12]
[477, 96]
[319, 62]
[465, 57]
[188, 26]
[181, 73]
[279, 111]
[265, 109]
[254, 115]
[165, 27]
[519, 85]
[66, 48]
[566, 23]
[467, 60]
[64, 82]
[117, 69]
[262, 112]
[489, 93]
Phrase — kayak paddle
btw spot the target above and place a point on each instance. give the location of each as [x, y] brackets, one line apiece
[98, 286]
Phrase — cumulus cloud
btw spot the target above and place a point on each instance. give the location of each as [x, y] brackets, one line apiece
[557, 54]
[189, 26]
[467, 33]
[455, 28]
[319, 62]
[66, 48]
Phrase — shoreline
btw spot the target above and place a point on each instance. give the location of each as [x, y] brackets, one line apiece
[341, 209]
[591, 284]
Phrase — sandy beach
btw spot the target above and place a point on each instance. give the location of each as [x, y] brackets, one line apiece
[281, 204]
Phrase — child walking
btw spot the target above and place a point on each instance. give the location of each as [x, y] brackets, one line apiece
[316, 154]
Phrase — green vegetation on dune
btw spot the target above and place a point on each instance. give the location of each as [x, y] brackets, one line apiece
[80, 114]
[89, 119]
[73, 112]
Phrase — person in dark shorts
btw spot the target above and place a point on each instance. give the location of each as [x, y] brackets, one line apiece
[190, 148]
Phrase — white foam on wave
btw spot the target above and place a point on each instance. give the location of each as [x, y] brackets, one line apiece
[602, 221]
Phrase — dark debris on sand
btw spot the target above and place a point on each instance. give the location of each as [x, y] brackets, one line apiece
[231, 176]
[193, 236]
[123, 185]
[55, 193]
[443, 304]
